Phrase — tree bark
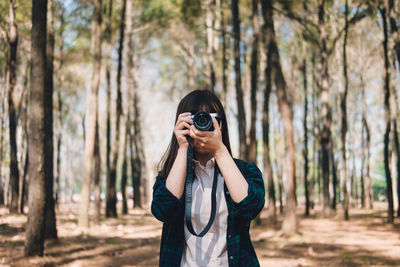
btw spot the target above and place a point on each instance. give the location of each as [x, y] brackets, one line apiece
[305, 150]
[2, 130]
[140, 160]
[395, 37]
[289, 226]
[39, 154]
[252, 154]
[50, 230]
[12, 37]
[241, 116]
[96, 176]
[386, 89]
[91, 117]
[111, 202]
[57, 187]
[124, 176]
[224, 57]
[107, 39]
[343, 107]
[268, 172]
[325, 134]
[209, 6]
[369, 197]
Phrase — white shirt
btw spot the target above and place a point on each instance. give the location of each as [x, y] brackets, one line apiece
[211, 249]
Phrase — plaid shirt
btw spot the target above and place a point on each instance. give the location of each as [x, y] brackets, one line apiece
[170, 210]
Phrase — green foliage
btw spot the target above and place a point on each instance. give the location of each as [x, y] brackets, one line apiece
[191, 11]
[161, 11]
[379, 188]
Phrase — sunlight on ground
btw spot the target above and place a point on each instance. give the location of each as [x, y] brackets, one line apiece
[133, 240]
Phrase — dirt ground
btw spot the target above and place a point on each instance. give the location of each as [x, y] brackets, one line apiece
[133, 240]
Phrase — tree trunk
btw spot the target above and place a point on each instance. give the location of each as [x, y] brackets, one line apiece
[96, 176]
[363, 156]
[39, 153]
[305, 149]
[252, 154]
[334, 177]
[107, 39]
[254, 66]
[90, 135]
[241, 117]
[224, 57]
[2, 130]
[12, 117]
[315, 176]
[386, 88]
[289, 226]
[26, 166]
[325, 135]
[268, 172]
[50, 230]
[139, 175]
[111, 202]
[343, 107]
[124, 176]
[369, 197]
[57, 187]
[395, 37]
[137, 200]
[209, 6]
[135, 166]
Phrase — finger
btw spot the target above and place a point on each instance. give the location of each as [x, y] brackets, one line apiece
[197, 132]
[183, 132]
[184, 114]
[182, 125]
[188, 120]
[215, 124]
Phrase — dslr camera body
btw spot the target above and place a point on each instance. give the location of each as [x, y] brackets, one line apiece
[202, 120]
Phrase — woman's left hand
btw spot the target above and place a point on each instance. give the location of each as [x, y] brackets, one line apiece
[207, 141]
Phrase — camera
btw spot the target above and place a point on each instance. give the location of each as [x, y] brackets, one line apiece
[202, 120]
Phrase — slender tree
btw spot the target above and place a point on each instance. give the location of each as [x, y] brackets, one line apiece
[386, 89]
[305, 149]
[224, 56]
[266, 127]
[39, 154]
[289, 226]
[254, 65]
[2, 129]
[96, 176]
[367, 184]
[107, 38]
[209, 6]
[50, 230]
[241, 117]
[138, 161]
[12, 37]
[59, 135]
[111, 201]
[90, 135]
[395, 37]
[124, 175]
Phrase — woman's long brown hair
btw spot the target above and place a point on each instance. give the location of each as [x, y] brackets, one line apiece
[194, 101]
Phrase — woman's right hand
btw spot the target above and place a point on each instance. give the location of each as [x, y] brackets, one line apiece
[182, 128]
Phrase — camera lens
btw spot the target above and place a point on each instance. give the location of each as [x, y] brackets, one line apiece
[202, 120]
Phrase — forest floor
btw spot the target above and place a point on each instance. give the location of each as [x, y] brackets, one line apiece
[133, 240]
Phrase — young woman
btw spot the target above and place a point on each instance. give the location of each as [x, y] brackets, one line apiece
[238, 188]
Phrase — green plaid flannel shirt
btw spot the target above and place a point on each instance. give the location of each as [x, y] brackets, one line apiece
[170, 210]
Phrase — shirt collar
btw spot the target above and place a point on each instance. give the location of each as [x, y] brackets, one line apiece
[210, 162]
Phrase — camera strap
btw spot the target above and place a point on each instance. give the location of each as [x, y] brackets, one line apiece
[188, 199]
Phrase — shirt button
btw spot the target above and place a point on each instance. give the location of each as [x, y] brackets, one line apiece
[231, 257]
[229, 236]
